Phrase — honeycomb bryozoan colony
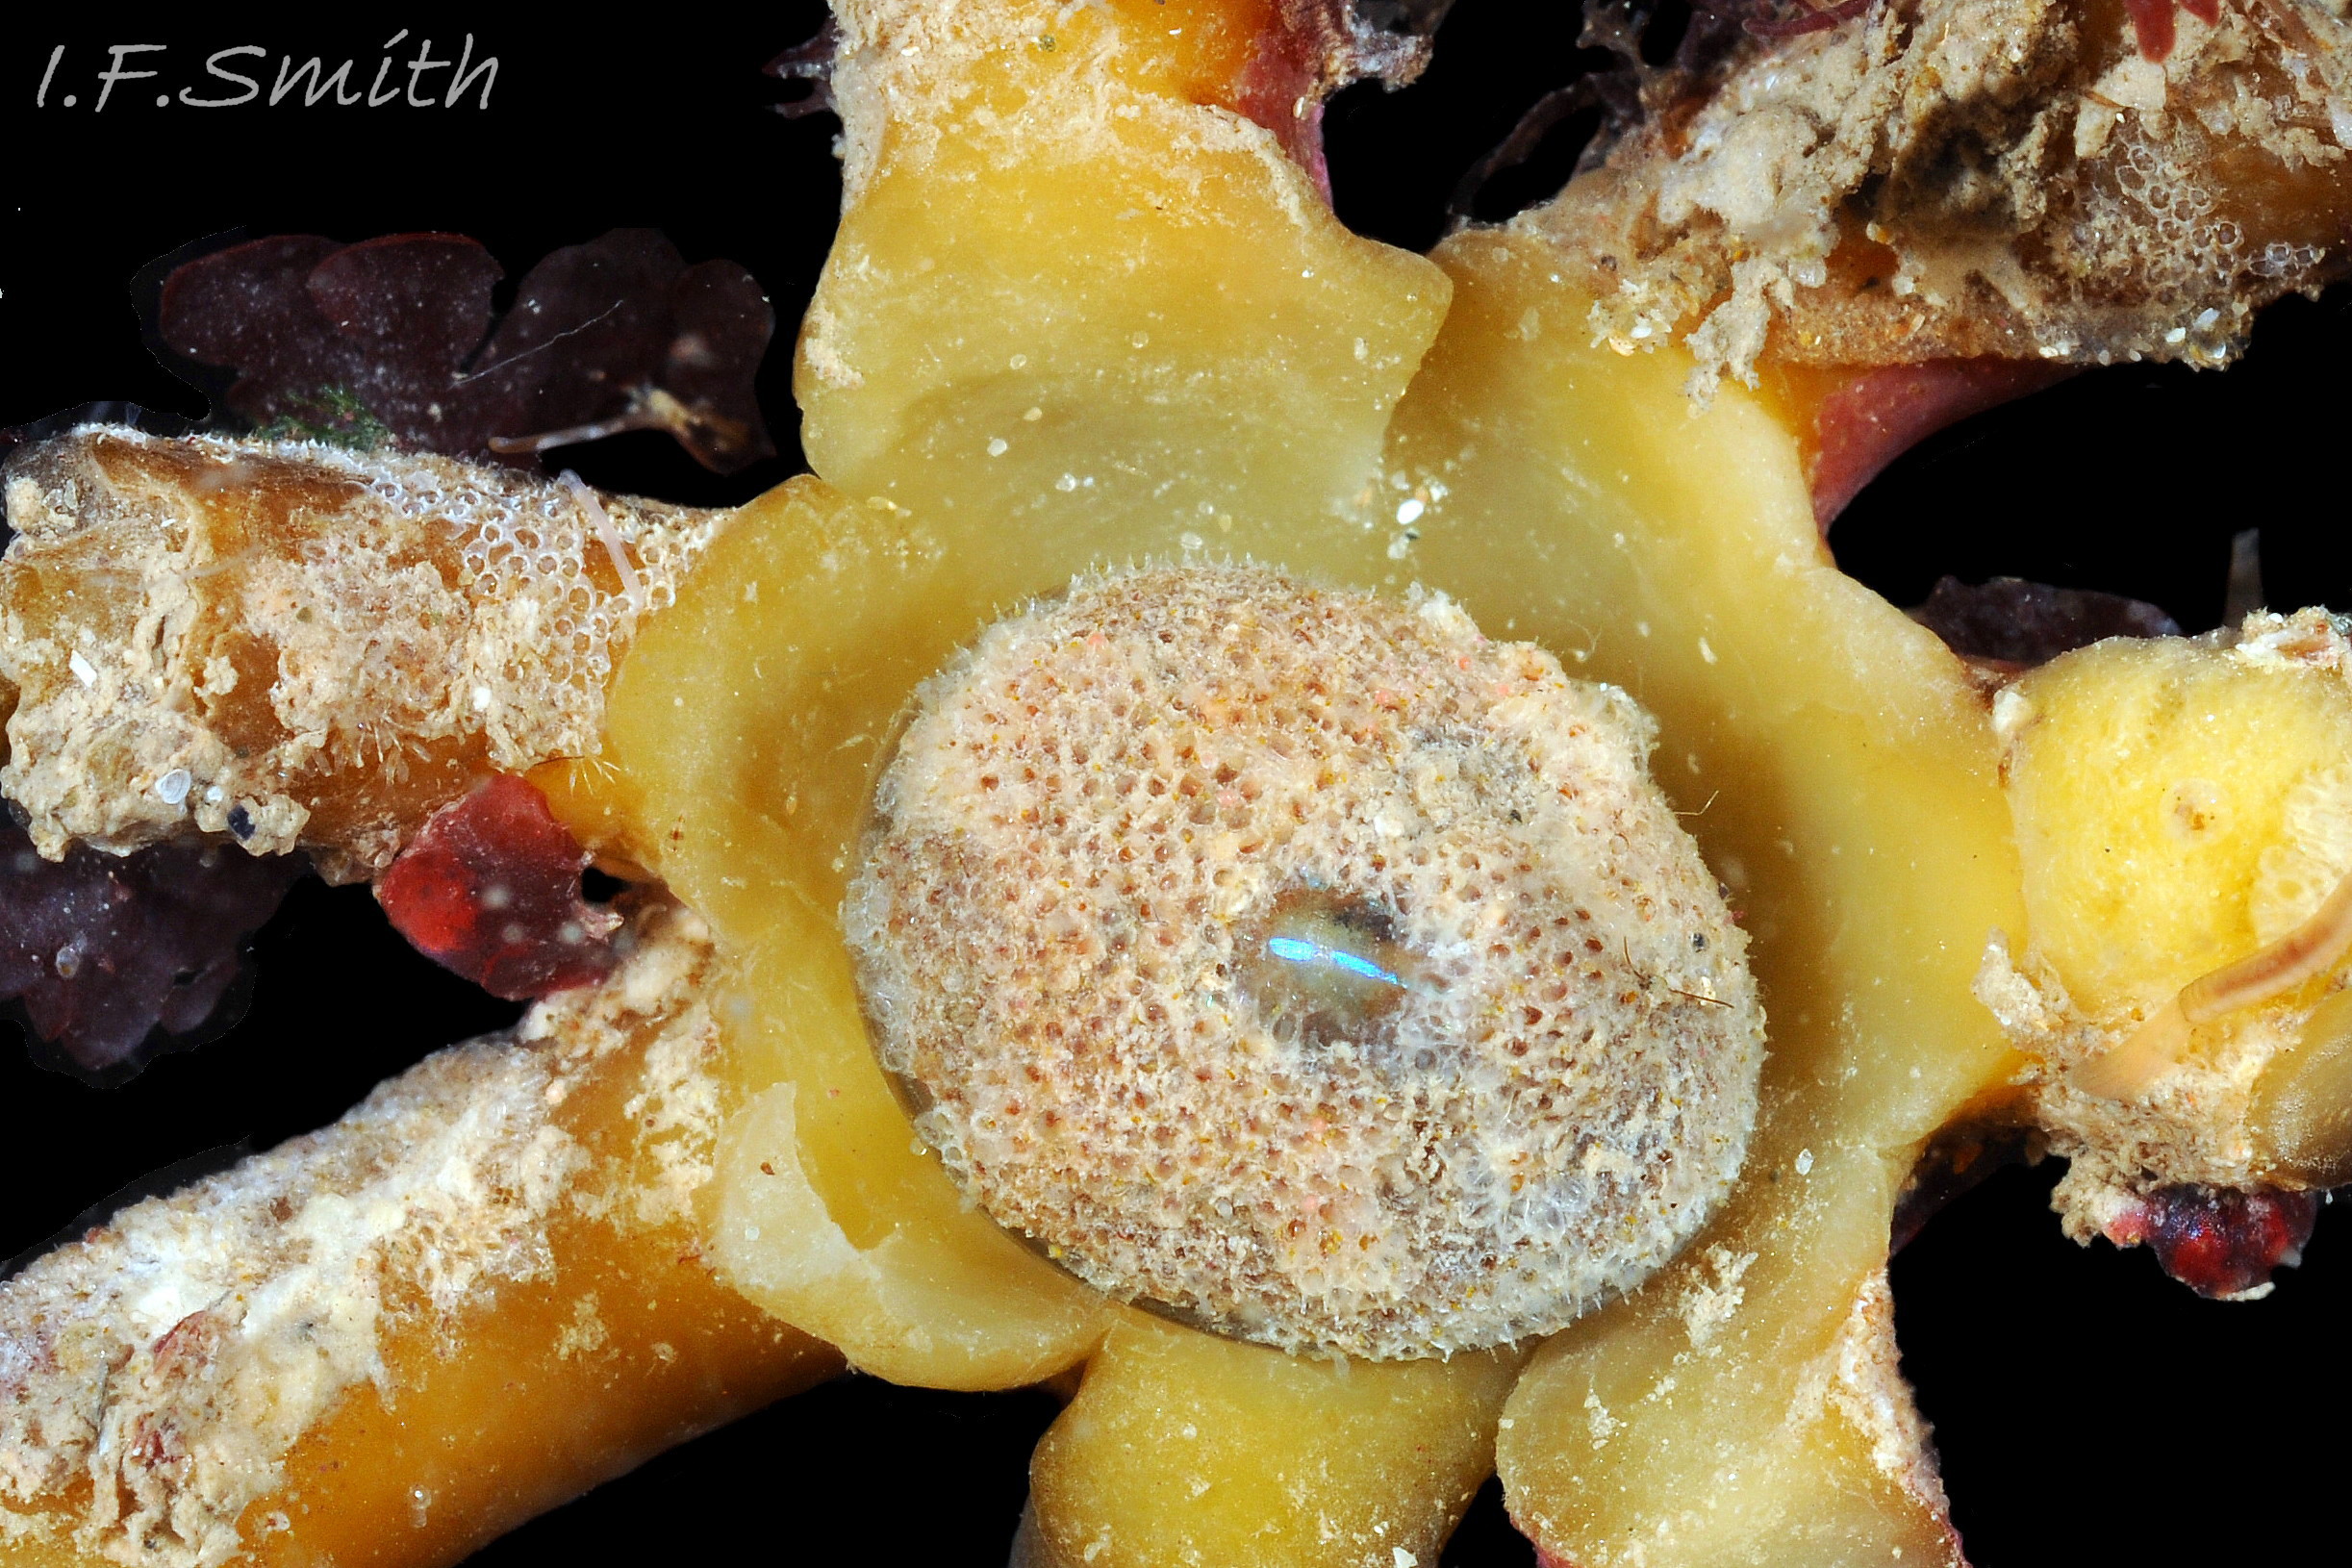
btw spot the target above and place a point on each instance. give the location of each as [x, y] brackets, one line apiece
[1936, 179]
[290, 644]
[1308, 964]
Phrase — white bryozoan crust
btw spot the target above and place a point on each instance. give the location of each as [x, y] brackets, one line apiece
[1305, 963]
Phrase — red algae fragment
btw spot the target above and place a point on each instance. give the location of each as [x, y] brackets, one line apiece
[2015, 625]
[1956, 1162]
[2219, 1242]
[104, 951]
[1879, 415]
[395, 337]
[490, 888]
[2151, 28]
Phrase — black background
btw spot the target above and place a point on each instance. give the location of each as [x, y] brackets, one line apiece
[2086, 1408]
